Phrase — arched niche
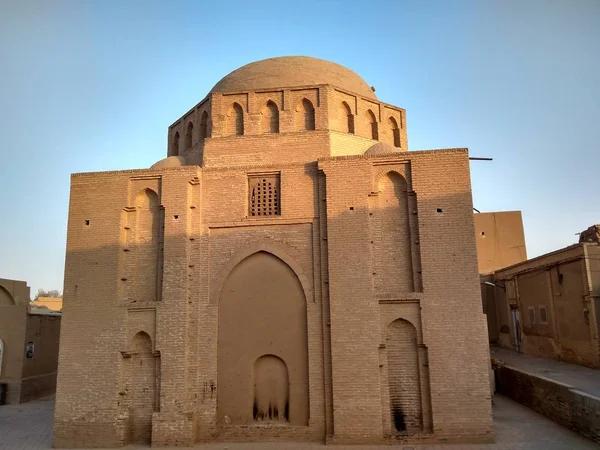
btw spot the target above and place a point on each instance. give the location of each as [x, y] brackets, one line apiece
[148, 246]
[175, 144]
[189, 134]
[144, 390]
[234, 121]
[372, 125]
[391, 235]
[346, 118]
[262, 311]
[203, 126]
[269, 118]
[305, 115]
[393, 132]
[271, 390]
[404, 377]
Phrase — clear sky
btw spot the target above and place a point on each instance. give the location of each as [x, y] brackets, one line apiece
[89, 85]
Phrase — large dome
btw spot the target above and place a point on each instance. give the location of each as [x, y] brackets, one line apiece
[292, 71]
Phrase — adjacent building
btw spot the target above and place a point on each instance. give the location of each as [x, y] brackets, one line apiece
[51, 303]
[500, 240]
[28, 346]
[289, 272]
[549, 306]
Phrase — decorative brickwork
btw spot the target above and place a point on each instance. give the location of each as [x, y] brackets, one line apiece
[263, 195]
[286, 285]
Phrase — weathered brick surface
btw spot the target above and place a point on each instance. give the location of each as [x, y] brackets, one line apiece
[364, 243]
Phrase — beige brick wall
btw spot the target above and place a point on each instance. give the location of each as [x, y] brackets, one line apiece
[380, 253]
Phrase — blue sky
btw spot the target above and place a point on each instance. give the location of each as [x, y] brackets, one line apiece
[93, 85]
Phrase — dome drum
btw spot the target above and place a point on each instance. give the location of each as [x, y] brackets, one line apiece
[279, 96]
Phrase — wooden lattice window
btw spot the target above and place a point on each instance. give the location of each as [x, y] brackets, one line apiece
[263, 195]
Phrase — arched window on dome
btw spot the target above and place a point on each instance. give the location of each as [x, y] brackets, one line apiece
[203, 126]
[175, 144]
[346, 118]
[372, 120]
[269, 118]
[235, 120]
[188, 136]
[393, 132]
[305, 115]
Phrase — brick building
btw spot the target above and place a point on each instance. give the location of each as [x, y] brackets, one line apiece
[549, 306]
[290, 271]
[28, 345]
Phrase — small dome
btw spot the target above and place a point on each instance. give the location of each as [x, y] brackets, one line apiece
[171, 161]
[381, 148]
[292, 71]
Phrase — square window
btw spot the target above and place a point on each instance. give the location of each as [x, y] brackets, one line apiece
[264, 195]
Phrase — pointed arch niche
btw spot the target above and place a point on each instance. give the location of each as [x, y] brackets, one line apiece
[269, 118]
[305, 115]
[142, 373]
[393, 132]
[346, 118]
[142, 241]
[234, 121]
[391, 235]
[203, 127]
[372, 125]
[262, 344]
[175, 144]
[404, 378]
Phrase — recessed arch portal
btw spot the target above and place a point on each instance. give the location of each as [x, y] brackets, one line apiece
[262, 312]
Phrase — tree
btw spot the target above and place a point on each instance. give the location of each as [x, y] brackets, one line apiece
[50, 293]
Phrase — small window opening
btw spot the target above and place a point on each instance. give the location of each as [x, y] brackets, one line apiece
[352, 208]
[264, 196]
[87, 222]
[483, 233]
[176, 217]
[543, 316]
[440, 210]
[531, 315]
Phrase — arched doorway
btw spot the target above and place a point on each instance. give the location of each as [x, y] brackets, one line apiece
[262, 335]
